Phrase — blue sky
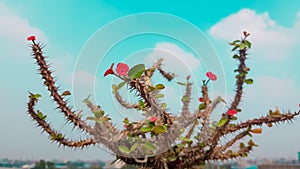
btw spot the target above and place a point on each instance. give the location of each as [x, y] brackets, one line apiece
[75, 32]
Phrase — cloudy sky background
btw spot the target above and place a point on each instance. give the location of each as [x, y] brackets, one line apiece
[67, 28]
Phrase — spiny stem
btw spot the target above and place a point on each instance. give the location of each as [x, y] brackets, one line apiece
[54, 134]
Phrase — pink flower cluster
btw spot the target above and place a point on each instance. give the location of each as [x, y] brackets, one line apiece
[211, 76]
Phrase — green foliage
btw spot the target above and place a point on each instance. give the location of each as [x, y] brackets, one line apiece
[41, 115]
[201, 106]
[136, 71]
[159, 129]
[120, 85]
[146, 129]
[249, 81]
[222, 122]
[123, 149]
[149, 146]
[42, 164]
[159, 86]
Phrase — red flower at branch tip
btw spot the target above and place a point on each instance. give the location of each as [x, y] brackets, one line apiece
[110, 70]
[126, 126]
[211, 76]
[31, 38]
[201, 99]
[122, 69]
[231, 112]
[153, 119]
[246, 33]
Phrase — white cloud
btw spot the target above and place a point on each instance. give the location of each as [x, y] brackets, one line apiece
[267, 92]
[81, 78]
[175, 58]
[16, 29]
[270, 39]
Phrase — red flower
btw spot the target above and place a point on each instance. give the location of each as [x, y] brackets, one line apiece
[211, 76]
[153, 119]
[126, 126]
[31, 38]
[122, 69]
[110, 70]
[246, 33]
[201, 99]
[231, 112]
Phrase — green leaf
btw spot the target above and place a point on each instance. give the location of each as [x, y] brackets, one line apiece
[249, 81]
[91, 118]
[41, 116]
[99, 113]
[202, 145]
[183, 84]
[186, 139]
[184, 98]
[235, 56]
[87, 100]
[59, 136]
[202, 106]
[164, 106]
[234, 42]
[174, 158]
[159, 95]
[242, 46]
[244, 155]
[248, 44]
[270, 112]
[114, 87]
[100, 120]
[133, 147]
[151, 88]
[120, 85]
[123, 149]
[220, 99]
[242, 145]
[233, 118]
[146, 129]
[222, 122]
[159, 129]
[149, 146]
[56, 136]
[159, 86]
[136, 71]
[238, 110]
[251, 143]
[233, 49]
[36, 96]
[141, 104]
[180, 145]
[126, 121]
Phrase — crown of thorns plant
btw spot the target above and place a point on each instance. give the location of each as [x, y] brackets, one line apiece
[160, 140]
